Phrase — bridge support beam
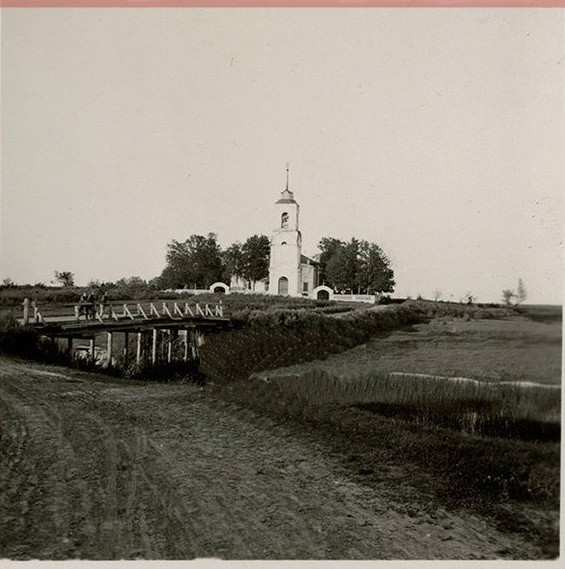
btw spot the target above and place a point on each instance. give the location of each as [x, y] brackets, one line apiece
[186, 344]
[154, 346]
[109, 346]
[169, 345]
[70, 345]
[91, 348]
[26, 311]
[126, 349]
[194, 338]
[139, 350]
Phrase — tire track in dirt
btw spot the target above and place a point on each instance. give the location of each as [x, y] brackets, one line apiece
[43, 429]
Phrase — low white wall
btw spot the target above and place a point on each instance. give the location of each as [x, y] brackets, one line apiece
[189, 290]
[355, 298]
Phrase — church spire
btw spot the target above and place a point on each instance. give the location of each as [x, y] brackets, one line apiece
[286, 195]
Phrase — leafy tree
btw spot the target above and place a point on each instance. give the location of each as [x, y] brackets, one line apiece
[355, 265]
[232, 259]
[255, 258]
[66, 278]
[469, 298]
[196, 262]
[508, 295]
[374, 274]
[342, 269]
[327, 246]
[8, 282]
[521, 293]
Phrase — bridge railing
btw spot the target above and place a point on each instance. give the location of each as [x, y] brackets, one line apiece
[115, 310]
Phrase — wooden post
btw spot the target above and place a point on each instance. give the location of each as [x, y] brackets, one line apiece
[109, 348]
[139, 348]
[35, 311]
[154, 347]
[26, 311]
[92, 349]
[194, 343]
[169, 345]
[186, 343]
[70, 345]
[126, 348]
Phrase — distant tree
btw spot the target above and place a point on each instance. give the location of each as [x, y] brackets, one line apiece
[7, 282]
[232, 259]
[357, 265]
[94, 284]
[521, 293]
[374, 274]
[341, 268]
[508, 295]
[437, 294]
[130, 282]
[255, 258]
[469, 298]
[327, 246]
[66, 278]
[196, 262]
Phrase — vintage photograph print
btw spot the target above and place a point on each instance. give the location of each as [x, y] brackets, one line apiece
[281, 280]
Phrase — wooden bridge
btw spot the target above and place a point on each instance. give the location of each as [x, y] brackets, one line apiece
[165, 331]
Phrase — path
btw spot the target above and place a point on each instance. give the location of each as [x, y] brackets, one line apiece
[104, 469]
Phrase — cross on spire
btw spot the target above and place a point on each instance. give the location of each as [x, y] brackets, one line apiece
[287, 175]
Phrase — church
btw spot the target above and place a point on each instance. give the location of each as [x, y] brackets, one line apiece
[290, 272]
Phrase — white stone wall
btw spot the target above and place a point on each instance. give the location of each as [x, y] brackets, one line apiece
[308, 276]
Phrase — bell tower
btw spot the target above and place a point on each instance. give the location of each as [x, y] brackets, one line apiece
[286, 245]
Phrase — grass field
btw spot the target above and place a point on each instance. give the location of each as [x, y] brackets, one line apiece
[516, 349]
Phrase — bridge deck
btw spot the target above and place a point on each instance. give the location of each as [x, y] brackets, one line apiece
[124, 317]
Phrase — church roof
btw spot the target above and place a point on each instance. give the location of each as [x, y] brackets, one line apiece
[286, 196]
[307, 261]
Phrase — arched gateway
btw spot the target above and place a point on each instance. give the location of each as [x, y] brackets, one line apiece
[220, 288]
[323, 293]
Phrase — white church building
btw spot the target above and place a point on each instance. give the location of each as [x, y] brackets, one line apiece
[290, 272]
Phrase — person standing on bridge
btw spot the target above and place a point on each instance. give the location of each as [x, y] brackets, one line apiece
[90, 306]
[82, 305]
[103, 303]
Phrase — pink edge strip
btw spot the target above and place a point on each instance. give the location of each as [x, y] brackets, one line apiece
[282, 3]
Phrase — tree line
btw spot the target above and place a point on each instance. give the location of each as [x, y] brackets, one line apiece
[354, 266]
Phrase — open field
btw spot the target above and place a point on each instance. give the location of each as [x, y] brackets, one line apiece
[99, 468]
[514, 349]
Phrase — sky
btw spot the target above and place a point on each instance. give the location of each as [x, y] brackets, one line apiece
[436, 133]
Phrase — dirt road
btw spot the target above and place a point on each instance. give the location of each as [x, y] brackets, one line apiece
[96, 468]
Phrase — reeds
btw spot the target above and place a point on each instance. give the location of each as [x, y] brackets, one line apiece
[506, 409]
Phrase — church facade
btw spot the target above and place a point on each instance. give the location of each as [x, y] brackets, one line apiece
[290, 272]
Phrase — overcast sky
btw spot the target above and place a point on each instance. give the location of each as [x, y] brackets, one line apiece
[438, 134]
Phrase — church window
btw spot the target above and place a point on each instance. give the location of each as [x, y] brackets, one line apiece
[305, 287]
[284, 220]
